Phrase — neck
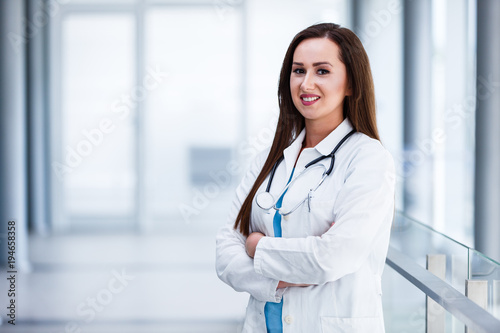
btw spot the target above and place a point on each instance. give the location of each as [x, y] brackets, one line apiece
[317, 131]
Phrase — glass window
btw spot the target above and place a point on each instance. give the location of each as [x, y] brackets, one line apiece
[380, 29]
[453, 115]
[97, 167]
[197, 110]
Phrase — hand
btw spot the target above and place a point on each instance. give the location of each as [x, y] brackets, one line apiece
[252, 241]
[283, 284]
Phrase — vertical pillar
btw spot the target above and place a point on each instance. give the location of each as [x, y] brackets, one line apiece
[487, 169]
[37, 120]
[142, 221]
[355, 16]
[496, 298]
[13, 191]
[435, 319]
[477, 291]
[417, 55]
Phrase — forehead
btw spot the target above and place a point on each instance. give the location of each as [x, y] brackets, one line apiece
[316, 49]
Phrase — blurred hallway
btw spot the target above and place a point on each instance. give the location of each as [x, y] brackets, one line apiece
[110, 283]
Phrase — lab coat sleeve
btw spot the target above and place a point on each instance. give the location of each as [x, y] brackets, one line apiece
[364, 210]
[233, 265]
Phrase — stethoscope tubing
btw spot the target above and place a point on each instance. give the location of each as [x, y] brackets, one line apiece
[323, 177]
[306, 168]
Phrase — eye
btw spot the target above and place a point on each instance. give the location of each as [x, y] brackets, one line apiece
[323, 71]
[298, 71]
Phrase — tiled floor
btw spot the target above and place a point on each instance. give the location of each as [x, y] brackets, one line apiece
[123, 283]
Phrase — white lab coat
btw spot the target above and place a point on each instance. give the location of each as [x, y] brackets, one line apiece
[344, 263]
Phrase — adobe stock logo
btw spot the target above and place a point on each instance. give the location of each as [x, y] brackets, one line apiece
[32, 26]
[221, 179]
[379, 21]
[120, 110]
[88, 309]
[223, 7]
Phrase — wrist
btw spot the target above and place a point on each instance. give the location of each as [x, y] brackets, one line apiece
[252, 242]
[282, 284]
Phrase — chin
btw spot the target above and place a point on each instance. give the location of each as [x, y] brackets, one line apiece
[309, 116]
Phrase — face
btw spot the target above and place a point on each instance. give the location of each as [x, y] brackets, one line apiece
[318, 82]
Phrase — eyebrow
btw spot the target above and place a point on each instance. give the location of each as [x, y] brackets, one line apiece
[314, 64]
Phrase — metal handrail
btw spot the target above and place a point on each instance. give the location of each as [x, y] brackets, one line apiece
[465, 310]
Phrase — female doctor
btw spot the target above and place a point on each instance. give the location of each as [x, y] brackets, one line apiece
[308, 232]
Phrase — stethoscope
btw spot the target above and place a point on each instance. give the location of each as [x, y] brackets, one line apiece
[266, 200]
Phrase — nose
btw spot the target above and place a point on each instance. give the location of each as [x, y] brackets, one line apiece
[307, 83]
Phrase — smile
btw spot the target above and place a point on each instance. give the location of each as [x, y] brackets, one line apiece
[308, 99]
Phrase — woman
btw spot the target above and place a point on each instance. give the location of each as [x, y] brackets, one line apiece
[311, 254]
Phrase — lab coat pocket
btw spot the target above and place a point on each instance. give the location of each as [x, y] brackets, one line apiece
[352, 325]
[255, 320]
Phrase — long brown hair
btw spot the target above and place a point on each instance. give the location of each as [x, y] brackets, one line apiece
[359, 107]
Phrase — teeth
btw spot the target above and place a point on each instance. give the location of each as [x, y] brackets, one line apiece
[310, 99]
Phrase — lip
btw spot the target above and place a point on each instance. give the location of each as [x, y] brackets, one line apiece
[302, 96]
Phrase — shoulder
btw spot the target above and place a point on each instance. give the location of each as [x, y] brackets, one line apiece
[369, 151]
[259, 159]
[253, 168]
[363, 142]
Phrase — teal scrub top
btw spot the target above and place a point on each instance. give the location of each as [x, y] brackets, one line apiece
[273, 311]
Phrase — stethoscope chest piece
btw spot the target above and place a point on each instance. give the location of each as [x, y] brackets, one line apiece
[265, 200]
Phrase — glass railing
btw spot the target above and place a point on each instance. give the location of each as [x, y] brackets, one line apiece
[408, 307]
[482, 268]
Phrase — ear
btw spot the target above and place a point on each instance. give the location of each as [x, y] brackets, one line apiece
[348, 92]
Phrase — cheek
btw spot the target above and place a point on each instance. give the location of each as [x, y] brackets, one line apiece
[335, 87]
[294, 84]
[341, 84]
[295, 89]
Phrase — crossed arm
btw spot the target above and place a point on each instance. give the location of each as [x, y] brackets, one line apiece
[250, 247]
[363, 205]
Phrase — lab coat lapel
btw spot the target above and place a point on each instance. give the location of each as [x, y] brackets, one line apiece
[291, 152]
[326, 146]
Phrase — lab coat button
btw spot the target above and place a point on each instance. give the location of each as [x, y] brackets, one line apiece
[288, 319]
